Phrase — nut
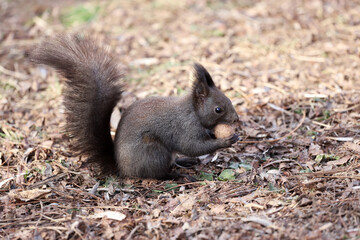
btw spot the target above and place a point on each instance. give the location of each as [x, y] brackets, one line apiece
[224, 131]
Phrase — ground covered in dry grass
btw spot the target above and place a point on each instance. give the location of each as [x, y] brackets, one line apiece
[290, 67]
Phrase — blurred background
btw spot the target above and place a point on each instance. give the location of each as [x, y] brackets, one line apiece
[256, 50]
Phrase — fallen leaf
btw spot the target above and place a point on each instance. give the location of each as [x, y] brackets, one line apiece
[226, 175]
[251, 149]
[47, 144]
[325, 226]
[205, 176]
[352, 146]
[254, 205]
[251, 132]
[156, 212]
[186, 203]
[28, 195]
[340, 161]
[217, 208]
[315, 149]
[276, 203]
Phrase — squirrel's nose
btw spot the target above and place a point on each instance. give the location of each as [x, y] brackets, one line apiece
[236, 118]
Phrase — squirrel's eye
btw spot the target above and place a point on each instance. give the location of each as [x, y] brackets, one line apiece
[218, 109]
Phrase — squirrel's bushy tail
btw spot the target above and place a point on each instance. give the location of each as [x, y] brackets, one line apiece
[92, 90]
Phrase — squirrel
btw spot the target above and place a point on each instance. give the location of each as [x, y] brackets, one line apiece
[151, 131]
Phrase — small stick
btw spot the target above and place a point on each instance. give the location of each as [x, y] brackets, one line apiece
[132, 232]
[17, 75]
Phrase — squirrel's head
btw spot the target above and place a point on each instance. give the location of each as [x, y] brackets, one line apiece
[211, 105]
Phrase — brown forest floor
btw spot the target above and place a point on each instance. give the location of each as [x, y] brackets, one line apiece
[290, 67]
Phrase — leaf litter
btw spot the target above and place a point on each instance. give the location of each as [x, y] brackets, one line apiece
[291, 70]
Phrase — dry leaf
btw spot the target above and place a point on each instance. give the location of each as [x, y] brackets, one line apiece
[315, 149]
[254, 205]
[156, 212]
[251, 132]
[217, 208]
[28, 195]
[276, 203]
[186, 204]
[47, 144]
[352, 146]
[340, 161]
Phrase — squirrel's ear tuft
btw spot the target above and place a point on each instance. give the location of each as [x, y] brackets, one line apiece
[202, 81]
[202, 75]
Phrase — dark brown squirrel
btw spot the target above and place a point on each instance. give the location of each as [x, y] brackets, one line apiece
[151, 131]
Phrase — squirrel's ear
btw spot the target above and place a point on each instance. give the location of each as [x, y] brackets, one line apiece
[202, 81]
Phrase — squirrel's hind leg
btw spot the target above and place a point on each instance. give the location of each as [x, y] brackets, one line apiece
[152, 159]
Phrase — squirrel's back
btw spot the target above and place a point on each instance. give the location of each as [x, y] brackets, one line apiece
[92, 90]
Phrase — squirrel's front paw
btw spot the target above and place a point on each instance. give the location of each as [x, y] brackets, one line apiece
[231, 140]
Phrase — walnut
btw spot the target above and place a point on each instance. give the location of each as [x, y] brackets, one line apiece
[224, 130]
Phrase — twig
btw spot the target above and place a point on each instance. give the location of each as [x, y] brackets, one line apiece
[348, 109]
[280, 161]
[357, 177]
[17, 75]
[132, 232]
[2, 183]
[52, 178]
[106, 206]
[239, 193]
[41, 213]
[269, 85]
[55, 220]
[324, 176]
[277, 108]
[321, 124]
[77, 231]
[323, 173]
[341, 139]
